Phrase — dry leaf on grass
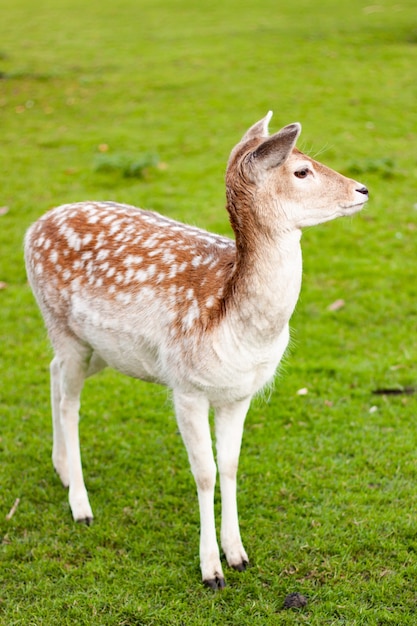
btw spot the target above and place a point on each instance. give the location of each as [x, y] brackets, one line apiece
[3, 285]
[336, 305]
[4, 210]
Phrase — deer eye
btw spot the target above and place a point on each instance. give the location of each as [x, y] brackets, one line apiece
[302, 173]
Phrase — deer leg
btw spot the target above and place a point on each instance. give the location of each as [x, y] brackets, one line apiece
[193, 421]
[229, 429]
[71, 369]
[59, 451]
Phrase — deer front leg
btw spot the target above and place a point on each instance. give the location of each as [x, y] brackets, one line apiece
[229, 429]
[193, 421]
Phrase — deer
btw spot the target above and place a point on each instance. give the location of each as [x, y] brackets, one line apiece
[200, 313]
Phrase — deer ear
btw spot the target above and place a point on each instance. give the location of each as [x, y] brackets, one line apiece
[277, 148]
[260, 129]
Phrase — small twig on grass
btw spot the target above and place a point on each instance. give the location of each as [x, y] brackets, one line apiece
[13, 509]
[394, 391]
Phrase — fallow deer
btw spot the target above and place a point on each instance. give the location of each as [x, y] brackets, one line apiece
[172, 304]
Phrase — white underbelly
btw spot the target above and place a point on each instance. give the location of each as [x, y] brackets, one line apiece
[216, 364]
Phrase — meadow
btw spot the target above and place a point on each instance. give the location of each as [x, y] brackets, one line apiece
[141, 102]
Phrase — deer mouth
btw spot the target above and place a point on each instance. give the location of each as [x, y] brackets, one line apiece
[355, 206]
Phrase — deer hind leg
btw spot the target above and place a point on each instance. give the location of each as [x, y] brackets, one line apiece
[193, 421]
[68, 372]
[59, 450]
[229, 429]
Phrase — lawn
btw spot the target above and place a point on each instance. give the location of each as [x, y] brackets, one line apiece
[141, 102]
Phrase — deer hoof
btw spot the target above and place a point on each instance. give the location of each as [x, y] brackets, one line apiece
[241, 567]
[215, 583]
[85, 520]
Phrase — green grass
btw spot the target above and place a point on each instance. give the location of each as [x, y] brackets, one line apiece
[327, 486]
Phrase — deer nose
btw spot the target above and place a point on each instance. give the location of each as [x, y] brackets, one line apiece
[363, 190]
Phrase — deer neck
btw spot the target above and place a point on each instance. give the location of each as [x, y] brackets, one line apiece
[266, 282]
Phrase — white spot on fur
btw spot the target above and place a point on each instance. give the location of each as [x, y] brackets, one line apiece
[109, 218]
[151, 241]
[73, 239]
[132, 259]
[192, 314]
[102, 254]
[168, 257]
[101, 238]
[153, 253]
[123, 297]
[130, 230]
[141, 276]
[129, 275]
[147, 294]
[149, 218]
